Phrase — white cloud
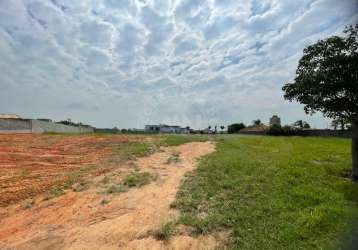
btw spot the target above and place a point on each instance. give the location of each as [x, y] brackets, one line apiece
[159, 28]
[96, 33]
[193, 62]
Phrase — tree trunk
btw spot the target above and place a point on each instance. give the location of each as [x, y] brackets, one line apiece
[355, 149]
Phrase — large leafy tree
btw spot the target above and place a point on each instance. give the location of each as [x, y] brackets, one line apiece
[327, 81]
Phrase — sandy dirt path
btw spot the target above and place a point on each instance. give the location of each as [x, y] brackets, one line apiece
[83, 221]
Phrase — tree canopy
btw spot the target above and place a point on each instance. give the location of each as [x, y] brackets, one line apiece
[327, 81]
[327, 77]
[236, 127]
[301, 124]
[256, 122]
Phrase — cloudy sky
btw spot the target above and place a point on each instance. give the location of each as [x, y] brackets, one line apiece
[127, 63]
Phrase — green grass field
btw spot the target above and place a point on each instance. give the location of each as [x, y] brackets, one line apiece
[273, 193]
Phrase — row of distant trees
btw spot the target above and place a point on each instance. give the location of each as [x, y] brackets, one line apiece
[338, 123]
[69, 122]
[298, 125]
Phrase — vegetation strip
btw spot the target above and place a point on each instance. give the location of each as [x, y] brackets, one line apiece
[272, 192]
[165, 231]
[133, 179]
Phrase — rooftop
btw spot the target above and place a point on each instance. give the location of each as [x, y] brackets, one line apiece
[252, 128]
[10, 116]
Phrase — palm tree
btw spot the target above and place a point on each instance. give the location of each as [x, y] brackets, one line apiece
[257, 122]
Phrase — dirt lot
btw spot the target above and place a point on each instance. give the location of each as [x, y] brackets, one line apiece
[112, 212]
[30, 164]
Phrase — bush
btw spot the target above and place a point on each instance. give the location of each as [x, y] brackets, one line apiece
[285, 130]
[133, 179]
[137, 179]
[165, 231]
[289, 130]
[275, 130]
[236, 127]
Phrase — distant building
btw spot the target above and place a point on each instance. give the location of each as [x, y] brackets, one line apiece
[9, 116]
[152, 128]
[275, 120]
[255, 128]
[167, 129]
[185, 130]
[44, 119]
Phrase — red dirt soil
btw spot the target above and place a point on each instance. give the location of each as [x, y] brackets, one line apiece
[31, 164]
[81, 220]
[92, 219]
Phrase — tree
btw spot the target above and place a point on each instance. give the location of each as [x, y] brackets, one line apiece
[222, 127]
[234, 128]
[298, 124]
[306, 125]
[289, 130]
[256, 122]
[275, 129]
[340, 122]
[301, 124]
[327, 81]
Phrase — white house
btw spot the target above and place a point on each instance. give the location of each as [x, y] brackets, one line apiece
[162, 128]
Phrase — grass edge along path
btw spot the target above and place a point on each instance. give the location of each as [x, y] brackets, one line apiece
[272, 192]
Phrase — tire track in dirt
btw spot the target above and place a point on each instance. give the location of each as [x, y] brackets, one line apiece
[81, 221]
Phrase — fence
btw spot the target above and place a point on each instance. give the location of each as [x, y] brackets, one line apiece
[36, 126]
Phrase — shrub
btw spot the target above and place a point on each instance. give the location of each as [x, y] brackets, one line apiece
[289, 130]
[165, 231]
[236, 127]
[137, 179]
[275, 130]
[174, 158]
[285, 130]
